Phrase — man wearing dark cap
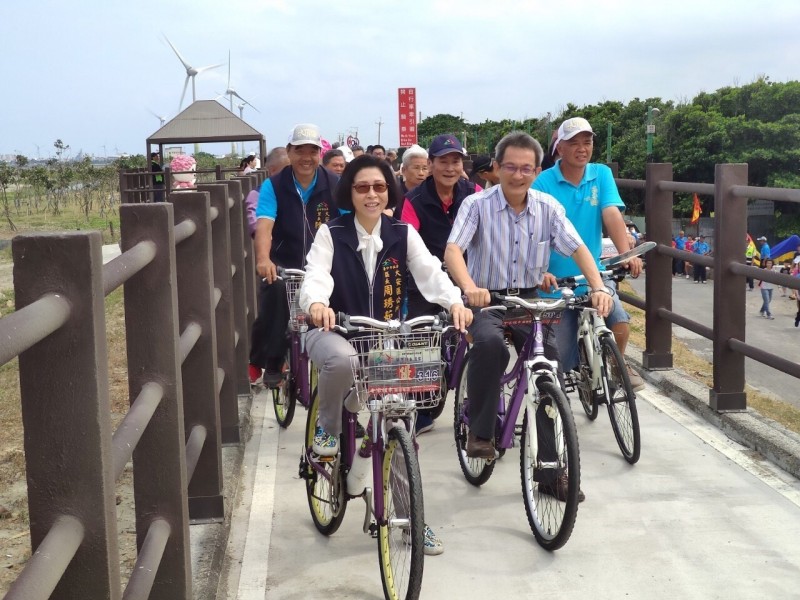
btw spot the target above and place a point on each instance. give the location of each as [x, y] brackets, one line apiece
[483, 167]
[292, 205]
[431, 208]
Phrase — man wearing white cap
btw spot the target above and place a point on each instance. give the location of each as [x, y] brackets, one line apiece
[292, 206]
[590, 196]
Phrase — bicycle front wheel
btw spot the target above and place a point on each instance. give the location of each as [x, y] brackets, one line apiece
[325, 479]
[400, 532]
[476, 470]
[550, 467]
[621, 401]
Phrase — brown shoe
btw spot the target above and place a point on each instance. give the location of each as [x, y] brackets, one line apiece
[559, 489]
[637, 383]
[479, 447]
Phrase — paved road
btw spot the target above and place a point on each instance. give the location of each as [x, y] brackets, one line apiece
[779, 336]
[697, 517]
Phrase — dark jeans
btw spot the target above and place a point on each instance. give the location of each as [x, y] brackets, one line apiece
[699, 273]
[269, 339]
[677, 266]
[488, 359]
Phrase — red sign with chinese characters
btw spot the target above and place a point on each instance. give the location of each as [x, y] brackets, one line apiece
[407, 116]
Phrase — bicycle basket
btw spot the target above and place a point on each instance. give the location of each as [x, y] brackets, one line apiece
[402, 371]
[293, 298]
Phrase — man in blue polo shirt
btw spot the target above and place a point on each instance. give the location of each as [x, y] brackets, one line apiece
[292, 205]
[591, 199]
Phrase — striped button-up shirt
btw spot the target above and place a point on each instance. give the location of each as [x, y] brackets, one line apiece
[510, 250]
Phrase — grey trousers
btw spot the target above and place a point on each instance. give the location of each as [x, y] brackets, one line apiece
[332, 355]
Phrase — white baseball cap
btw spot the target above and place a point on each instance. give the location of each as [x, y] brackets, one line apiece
[572, 127]
[305, 133]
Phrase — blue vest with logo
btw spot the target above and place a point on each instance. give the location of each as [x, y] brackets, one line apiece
[296, 223]
[353, 293]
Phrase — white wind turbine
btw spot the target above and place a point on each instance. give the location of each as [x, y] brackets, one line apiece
[191, 72]
[157, 116]
[230, 92]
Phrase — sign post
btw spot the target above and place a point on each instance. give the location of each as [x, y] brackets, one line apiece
[407, 116]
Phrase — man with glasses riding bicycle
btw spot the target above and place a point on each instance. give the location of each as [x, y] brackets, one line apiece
[591, 200]
[509, 231]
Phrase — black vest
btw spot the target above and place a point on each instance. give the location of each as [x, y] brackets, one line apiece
[353, 293]
[434, 223]
[297, 224]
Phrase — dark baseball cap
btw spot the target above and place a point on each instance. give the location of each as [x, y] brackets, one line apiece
[445, 144]
[479, 164]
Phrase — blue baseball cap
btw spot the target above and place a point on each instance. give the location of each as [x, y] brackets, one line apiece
[445, 144]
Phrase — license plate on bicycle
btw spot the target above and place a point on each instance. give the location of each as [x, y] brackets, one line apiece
[404, 370]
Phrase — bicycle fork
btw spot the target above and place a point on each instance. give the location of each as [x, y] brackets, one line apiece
[536, 374]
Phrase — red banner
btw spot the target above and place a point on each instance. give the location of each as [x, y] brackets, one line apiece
[407, 116]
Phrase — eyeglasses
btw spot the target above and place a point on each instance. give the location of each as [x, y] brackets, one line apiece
[363, 187]
[526, 170]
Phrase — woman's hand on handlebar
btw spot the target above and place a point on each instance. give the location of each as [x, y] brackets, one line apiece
[462, 317]
[322, 316]
[477, 297]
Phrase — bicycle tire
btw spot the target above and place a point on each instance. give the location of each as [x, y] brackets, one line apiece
[326, 496]
[401, 542]
[284, 396]
[551, 520]
[476, 470]
[586, 394]
[621, 401]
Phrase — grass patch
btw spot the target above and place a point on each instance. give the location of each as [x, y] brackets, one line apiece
[697, 368]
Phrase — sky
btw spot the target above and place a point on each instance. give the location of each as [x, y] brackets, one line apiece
[93, 73]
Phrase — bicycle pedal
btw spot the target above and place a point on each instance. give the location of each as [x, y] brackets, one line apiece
[373, 530]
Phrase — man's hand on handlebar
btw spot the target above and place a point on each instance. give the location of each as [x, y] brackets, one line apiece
[635, 266]
[267, 270]
[477, 297]
[462, 317]
[602, 302]
[322, 316]
[549, 283]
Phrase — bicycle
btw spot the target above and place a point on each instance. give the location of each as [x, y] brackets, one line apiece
[531, 382]
[602, 377]
[396, 370]
[297, 377]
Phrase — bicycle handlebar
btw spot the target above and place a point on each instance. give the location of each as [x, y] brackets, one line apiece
[350, 324]
[290, 273]
[537, 305]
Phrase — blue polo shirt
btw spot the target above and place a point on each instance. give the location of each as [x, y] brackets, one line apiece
[584, 204]
[701, 248]
[680, 243]
[267, 207]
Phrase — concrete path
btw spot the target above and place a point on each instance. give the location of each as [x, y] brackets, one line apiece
[697, 517]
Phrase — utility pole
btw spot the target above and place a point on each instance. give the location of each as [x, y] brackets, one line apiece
[379, 122]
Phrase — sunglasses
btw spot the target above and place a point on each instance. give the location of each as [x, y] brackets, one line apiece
[363, 188]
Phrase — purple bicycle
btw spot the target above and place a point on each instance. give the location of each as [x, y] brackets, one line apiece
[298, 379]
[549, 454]
[396, 370]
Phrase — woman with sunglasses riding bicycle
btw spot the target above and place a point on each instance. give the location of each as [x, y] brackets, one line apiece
[359, 264]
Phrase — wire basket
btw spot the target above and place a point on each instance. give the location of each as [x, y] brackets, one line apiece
[398, 372]
[296, 316]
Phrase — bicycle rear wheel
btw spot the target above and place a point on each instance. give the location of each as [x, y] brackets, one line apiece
[476, 470]
[400, 537]
[550, 460]
[584, 382]
[284, 396]
[325, 490]
[621, 401]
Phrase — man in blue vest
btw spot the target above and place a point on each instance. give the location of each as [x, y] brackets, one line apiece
[292, 205]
